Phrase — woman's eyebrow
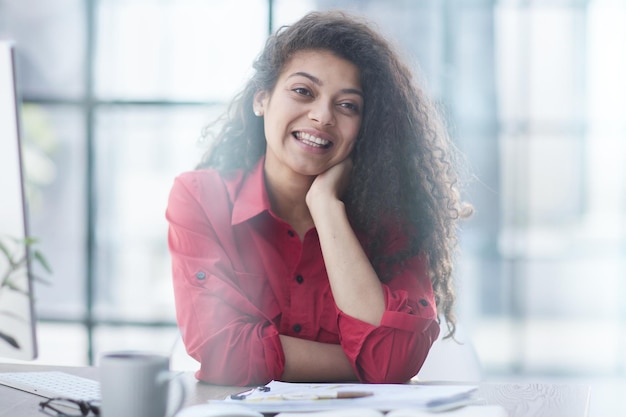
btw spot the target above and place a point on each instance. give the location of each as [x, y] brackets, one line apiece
[307, 75]
[319, 82]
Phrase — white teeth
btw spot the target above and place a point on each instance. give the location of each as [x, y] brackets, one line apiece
[312, 140]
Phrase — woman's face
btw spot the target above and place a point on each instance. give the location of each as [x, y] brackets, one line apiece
[313, 115]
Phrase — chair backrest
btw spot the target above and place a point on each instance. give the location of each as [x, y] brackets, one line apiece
[451, 359]
[179, 359]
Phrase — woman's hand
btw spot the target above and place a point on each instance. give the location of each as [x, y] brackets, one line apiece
[330, 184]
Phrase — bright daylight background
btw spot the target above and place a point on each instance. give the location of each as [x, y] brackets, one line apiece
[116, 94]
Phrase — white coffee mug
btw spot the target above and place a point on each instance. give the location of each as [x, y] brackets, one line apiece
[137, 384]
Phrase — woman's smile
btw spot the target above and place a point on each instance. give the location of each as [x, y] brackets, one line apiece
[314, 140]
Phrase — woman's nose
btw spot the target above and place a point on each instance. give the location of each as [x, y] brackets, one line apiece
[322, 113]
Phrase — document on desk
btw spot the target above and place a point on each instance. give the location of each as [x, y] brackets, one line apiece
[280, 397]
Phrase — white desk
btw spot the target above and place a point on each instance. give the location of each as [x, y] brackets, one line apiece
[521, 400]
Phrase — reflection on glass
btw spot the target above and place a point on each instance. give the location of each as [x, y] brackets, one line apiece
[55, 168]
[139, 152]
[51, 38]
[191, 50]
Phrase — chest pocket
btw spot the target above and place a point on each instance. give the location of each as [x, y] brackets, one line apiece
[258, 291]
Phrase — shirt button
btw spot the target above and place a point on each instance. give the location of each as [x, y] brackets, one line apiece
[300, 279]
[291, 233]
[424, 302]
[297, 328]
[200, 275]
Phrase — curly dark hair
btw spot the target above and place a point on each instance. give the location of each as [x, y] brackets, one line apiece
[404, 164]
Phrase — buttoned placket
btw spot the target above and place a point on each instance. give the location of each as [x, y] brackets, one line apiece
[296, 319]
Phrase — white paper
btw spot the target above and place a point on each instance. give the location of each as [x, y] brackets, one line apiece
[385, 397]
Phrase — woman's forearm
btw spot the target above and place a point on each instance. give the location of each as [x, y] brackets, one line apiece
[354, 282]
[307, 361]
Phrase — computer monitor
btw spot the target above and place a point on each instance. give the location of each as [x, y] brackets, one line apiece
[17, 315]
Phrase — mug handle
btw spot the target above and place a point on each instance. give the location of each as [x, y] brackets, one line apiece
[169, 376]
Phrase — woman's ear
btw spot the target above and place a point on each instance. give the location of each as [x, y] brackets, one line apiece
[260, 102]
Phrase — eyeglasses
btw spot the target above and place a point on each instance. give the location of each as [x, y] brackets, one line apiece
[67, 407]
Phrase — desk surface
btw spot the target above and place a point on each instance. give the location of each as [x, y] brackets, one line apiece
[521, 400]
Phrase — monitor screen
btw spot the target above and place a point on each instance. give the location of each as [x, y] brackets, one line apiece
[17, 319]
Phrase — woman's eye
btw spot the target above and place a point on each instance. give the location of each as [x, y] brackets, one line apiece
[302, 91]
[350, 106]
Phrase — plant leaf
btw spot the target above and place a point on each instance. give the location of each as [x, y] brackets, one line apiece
[30, 241]
[10, 340]
[12, 286]
[38, 278]
[42, 261]
[5, 250]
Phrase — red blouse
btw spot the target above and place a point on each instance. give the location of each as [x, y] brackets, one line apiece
[242, 277]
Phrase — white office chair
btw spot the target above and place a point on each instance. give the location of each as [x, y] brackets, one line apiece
[451, 360]
[179, 359]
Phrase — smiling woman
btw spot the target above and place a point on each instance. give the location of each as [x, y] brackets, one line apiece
[314, 242]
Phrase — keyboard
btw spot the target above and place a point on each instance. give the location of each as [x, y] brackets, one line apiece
[52, 384]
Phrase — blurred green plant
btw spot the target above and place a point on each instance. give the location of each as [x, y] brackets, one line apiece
[15, 275]
[17, 260]
[39, 147]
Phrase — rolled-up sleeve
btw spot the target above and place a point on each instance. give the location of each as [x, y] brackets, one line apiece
[234, 341]
[394, 351]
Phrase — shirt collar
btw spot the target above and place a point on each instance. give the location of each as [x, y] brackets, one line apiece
[251, 199]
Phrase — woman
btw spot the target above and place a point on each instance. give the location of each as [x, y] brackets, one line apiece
[314, 242]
